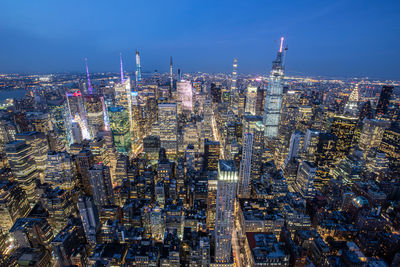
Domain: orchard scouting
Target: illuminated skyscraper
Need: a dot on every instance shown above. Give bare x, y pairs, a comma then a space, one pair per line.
121, 170
58, 202
60, 170
234, 92
100, 150
391, 146
171, 76
226, 192
120, 129
234, 76
137, 124
351, 107
94, 114
77, 114
343, 127
123, 95
211, 155
305, 180
212, 188
377, 165
13, 204
23, 167
138, 73
251, 100
245, 166
372, 133
190, 137
273, 101
37, 142
325, 155
58, 110
168, 123
89, 85
310, 143
258, 149
184, 90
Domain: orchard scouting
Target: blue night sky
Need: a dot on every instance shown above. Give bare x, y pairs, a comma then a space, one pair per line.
333, 38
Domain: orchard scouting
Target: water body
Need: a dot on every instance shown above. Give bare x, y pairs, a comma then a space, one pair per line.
18, 94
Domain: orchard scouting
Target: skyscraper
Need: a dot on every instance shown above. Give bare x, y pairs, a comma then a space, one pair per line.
23, 167
305, 179
60, 170
100, 181
76, 116
257, 152
273, 101
123, 94
351, 107
13, 204
384, 98
211, 155
76, 133
138, 73
89, 217
343, 127
325, 154
89, 85
294, 147
38, 144
84, 161
372, 133
171, 77
234, 93
251, 100
184, 90
245, 166
157, 223
211, 200
226, 192
391, 146
94, 114
120, 129
168, 123
310, 144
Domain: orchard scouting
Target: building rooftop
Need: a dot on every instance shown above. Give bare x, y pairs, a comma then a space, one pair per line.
227, 165
265, 247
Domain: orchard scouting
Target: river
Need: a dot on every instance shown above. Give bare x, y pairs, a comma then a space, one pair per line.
18, 94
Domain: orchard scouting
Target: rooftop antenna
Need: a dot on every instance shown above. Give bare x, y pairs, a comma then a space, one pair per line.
88, 77
122, 67
284, 56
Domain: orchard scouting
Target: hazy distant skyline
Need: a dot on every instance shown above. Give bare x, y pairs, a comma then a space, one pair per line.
327, 38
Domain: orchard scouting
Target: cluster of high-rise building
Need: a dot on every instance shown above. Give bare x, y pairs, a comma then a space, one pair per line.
197, 169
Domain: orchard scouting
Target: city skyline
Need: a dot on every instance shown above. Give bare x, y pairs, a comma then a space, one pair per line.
218, 168
356, 38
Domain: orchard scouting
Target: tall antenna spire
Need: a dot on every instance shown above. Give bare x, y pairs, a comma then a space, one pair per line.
281, 47
88, 77
122, 67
